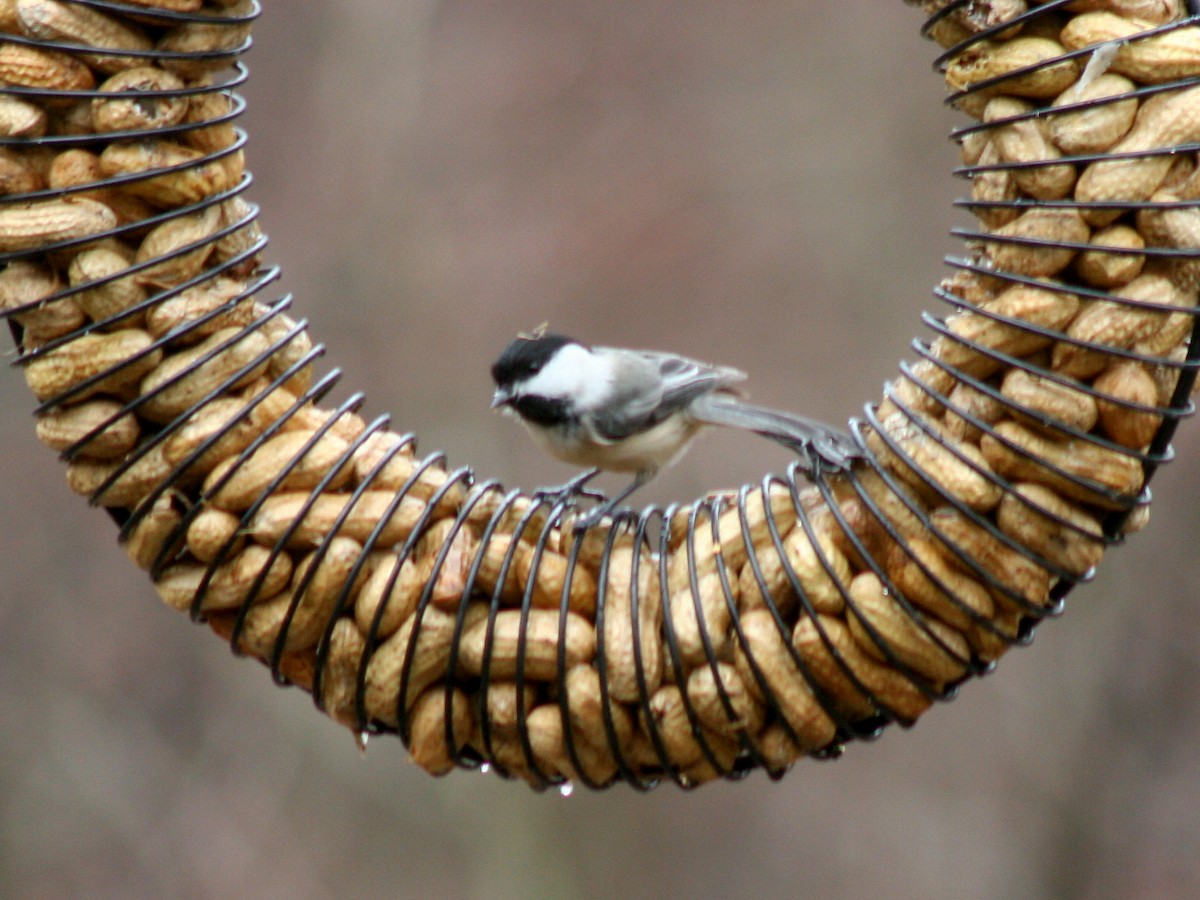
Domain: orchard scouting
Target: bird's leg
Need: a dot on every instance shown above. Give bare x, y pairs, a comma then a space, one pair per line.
568, 489
595, 515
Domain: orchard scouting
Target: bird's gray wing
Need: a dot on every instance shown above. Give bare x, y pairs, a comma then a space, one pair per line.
686, 379
655, 386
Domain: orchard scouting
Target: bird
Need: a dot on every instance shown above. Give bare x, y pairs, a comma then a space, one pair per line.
619, 410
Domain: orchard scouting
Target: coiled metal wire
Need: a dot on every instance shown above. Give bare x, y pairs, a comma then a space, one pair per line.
537, 523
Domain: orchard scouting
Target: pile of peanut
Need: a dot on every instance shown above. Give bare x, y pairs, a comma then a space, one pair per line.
745, 631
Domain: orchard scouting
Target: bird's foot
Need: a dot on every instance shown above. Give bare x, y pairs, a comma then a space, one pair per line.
608, 507
576, 487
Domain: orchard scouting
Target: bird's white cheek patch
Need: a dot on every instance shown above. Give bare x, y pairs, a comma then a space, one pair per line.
573, 372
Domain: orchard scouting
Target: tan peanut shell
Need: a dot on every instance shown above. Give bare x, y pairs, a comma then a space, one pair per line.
548, 736
183, 175
119, 483
210, 106
722, 701
1114, 324
202, 38
631, 663
416, 656
1155, 11
972, 145
765, 654
111, 295
1129, 381
1162, 122
550, 579
231, 358
390, 594
1048, 405
117, 360
214, 302
923, 644
437, 708
971, 548
1044, 308
966, 400
291, 342
1033, 238
1103, 269
926, 463
1096, 126
923, 574
27, 66
810, 566
21, 119
685, 746
302, 458
985, 60
76, 167
1172, 225
701, 620
215, 432
98, 427
17, 176
507, 706
306, 519
339, 681
457, 545
210, 532
171, 5
1156, 58
1029, 515
855, 681
243, 240
385, 458
598, 722
75, 24
156, 534
230, 583
981, 17
25, 284
24, 226
176, 250
993, 186
132, 105
539, 643
1024, 141
870, 524
502, 551
297, 618
1019, 453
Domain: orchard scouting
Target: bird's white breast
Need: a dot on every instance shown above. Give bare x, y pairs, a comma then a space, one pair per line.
649, 451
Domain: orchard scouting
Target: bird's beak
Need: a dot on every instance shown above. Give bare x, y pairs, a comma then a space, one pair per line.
501, 398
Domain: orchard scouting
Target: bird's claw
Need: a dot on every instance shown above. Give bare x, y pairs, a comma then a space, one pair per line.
567, 490
576, 487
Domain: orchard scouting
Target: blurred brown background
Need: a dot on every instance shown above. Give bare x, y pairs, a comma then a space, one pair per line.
763, 184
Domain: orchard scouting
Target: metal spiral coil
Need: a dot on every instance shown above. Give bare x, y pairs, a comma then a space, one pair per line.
1180, 406
536, 528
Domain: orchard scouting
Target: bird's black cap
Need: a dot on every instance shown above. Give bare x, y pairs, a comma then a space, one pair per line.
525, 357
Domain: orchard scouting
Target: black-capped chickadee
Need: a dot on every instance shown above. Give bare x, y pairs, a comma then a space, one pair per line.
637, 410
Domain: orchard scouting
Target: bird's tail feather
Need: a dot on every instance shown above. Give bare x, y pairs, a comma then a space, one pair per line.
816, 442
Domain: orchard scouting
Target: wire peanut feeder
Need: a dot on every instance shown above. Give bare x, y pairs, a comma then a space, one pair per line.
739, 632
